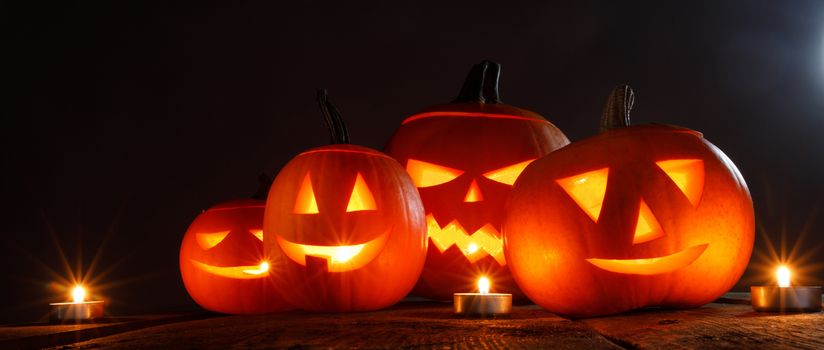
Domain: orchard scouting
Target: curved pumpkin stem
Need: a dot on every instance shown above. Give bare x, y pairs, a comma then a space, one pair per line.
334, 122
617, 109
264, 183
481, 84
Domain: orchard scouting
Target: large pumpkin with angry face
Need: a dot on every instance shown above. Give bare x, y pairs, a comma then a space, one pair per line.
464, 158
347, 224
649, 215
222, 262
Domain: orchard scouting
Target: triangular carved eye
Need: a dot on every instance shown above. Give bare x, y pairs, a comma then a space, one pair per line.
587, 190
508, 174
209, 240
257, 233
425, 174
361, 198
687, 174
305, 202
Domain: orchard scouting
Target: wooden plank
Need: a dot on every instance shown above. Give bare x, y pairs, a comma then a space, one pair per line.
415, 324
429, 325
713, 326
38, 336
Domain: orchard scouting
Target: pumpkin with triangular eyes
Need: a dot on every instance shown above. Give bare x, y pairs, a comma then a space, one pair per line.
648, 215
346, 224
464, 157
222, 262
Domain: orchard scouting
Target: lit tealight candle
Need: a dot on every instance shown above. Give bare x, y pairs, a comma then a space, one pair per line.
785, 298
483, 303
78, 309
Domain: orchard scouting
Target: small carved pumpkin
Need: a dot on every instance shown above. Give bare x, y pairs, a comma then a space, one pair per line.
347, 224
649, 215
464, 157
222, 262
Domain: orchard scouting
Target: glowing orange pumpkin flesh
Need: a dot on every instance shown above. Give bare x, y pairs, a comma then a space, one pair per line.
667, 221
464, 157
346, 225
222, 262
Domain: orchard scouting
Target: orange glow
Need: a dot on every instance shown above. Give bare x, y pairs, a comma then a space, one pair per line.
333, 150
306, 203
474, 193
361, 198
258, 234
425, 174
338, 258
651, 266
588, 190
483, 242
687, 174
78, 294
508, 174
483, 285
236, 272
209, 240
263, 267
783, 276
647, 227
470, 115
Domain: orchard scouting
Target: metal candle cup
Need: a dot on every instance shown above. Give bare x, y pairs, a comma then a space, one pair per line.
477, 304
484, 303
786, 299
74, 312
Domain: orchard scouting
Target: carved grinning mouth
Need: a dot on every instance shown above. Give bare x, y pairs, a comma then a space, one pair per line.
479, 244
338, 258
651, 266
236, 272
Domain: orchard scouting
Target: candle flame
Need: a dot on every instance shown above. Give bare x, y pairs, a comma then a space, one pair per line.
483, 285
783, 275
78, 293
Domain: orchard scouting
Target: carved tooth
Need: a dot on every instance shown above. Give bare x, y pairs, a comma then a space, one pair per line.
485, 240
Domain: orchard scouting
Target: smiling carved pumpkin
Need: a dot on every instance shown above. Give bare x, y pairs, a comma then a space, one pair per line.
649, 215
464, 157
222, 262
347, 224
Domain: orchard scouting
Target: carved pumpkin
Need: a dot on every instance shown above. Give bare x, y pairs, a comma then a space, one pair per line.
648, 215
222, 262
348, 224
464, 158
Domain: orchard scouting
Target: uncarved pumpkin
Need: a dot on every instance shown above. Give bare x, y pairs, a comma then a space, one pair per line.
636, 216
464, 157
346, 224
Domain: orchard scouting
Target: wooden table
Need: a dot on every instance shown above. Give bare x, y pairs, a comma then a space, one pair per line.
728, 323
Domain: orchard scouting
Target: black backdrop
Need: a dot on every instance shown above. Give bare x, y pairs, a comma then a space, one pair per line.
123, 121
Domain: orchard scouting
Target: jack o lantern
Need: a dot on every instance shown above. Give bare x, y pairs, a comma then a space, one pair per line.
464, 157
347, 224
648, 215
222, 262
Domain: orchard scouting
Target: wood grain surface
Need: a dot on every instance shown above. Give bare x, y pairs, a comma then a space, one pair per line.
417, 324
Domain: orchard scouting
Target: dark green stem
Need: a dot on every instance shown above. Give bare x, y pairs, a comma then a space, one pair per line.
334, 122
616, 111
481, 84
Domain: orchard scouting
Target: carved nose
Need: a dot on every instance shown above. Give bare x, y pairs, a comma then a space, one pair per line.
647, 227
474, 193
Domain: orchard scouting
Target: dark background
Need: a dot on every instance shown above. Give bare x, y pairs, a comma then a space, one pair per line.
123, 121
